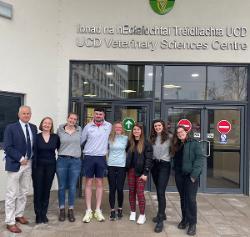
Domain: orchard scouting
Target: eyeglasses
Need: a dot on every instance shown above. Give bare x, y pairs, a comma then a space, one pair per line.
181, 132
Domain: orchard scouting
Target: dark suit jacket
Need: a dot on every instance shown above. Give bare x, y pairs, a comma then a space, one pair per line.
15, 145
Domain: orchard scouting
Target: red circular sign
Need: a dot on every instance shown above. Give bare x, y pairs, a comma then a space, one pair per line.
224, 126
185, 123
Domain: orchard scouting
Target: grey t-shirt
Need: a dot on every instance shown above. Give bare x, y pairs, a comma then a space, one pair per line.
70, 145
161, 150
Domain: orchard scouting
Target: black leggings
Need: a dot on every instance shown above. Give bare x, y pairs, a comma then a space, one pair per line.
160, 174
116, 179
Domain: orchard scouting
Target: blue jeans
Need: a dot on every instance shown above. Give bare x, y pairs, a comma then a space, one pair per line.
67, 170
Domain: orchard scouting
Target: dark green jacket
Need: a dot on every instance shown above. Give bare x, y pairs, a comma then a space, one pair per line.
192, 161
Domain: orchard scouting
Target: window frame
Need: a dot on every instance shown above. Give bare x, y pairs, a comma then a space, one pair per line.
13, 95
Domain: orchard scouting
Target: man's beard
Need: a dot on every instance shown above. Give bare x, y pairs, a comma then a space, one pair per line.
98, 120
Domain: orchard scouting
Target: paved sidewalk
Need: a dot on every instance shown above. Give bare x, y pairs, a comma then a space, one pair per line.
218, 216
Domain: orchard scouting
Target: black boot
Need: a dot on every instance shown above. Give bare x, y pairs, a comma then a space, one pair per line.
156, 218
182, 225
119, 213
191, 229
159, 227
71, 216
62, 215
45, 219
38, 220
112, 215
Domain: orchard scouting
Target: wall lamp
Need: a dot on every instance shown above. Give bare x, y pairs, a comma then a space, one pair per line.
6, 10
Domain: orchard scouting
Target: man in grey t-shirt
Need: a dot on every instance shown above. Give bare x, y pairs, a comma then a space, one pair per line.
95, 136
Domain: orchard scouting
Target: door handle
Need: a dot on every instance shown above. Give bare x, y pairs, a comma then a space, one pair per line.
209, 147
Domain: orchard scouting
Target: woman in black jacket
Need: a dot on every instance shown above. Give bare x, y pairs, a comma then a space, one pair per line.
188, 161
139, 162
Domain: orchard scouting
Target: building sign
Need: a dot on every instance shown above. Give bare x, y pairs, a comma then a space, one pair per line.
128, 124
197, 135
224, 126
162, 7
163, 37
223, 138
185, 123
210, 135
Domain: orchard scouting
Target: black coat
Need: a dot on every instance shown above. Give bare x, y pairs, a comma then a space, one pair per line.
144, 160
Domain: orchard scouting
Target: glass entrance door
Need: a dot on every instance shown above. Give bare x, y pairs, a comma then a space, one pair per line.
219, 130
138, 112
224, 133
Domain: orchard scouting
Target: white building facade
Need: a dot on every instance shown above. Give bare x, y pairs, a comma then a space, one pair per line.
54, 56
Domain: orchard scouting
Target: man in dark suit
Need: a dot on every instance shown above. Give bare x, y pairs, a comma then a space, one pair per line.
19, 139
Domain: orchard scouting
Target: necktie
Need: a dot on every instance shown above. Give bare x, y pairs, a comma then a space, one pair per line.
28, 142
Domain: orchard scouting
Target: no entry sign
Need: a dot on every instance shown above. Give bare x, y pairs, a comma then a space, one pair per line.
224, 127
185, 123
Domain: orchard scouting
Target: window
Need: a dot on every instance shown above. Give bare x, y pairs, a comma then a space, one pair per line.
117, 81
227, 83
184, 82
9, 105
159, 82
221, 83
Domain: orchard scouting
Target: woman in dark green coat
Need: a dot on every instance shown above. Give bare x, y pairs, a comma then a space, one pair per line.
188, 162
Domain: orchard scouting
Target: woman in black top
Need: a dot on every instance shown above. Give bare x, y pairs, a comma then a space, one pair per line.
44, 168
139, 163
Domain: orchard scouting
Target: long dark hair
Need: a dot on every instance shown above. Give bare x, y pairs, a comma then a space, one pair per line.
140, 145
153, 133
176, 142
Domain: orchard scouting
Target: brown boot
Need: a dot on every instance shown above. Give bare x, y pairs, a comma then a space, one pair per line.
62, 215
71, 216
22, 220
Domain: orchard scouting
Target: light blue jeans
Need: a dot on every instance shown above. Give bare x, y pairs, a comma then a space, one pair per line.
68, 171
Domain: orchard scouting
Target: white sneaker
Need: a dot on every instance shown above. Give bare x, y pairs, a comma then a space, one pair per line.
88, 216
132, 216
141, 220
99, 216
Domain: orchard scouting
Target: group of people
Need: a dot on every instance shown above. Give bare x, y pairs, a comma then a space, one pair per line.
105, 147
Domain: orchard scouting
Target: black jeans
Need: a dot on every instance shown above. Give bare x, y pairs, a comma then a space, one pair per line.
42, 176
160, 173
188, 192
116, 179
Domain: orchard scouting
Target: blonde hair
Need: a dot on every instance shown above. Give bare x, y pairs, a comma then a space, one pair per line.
140, 145
112, 134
